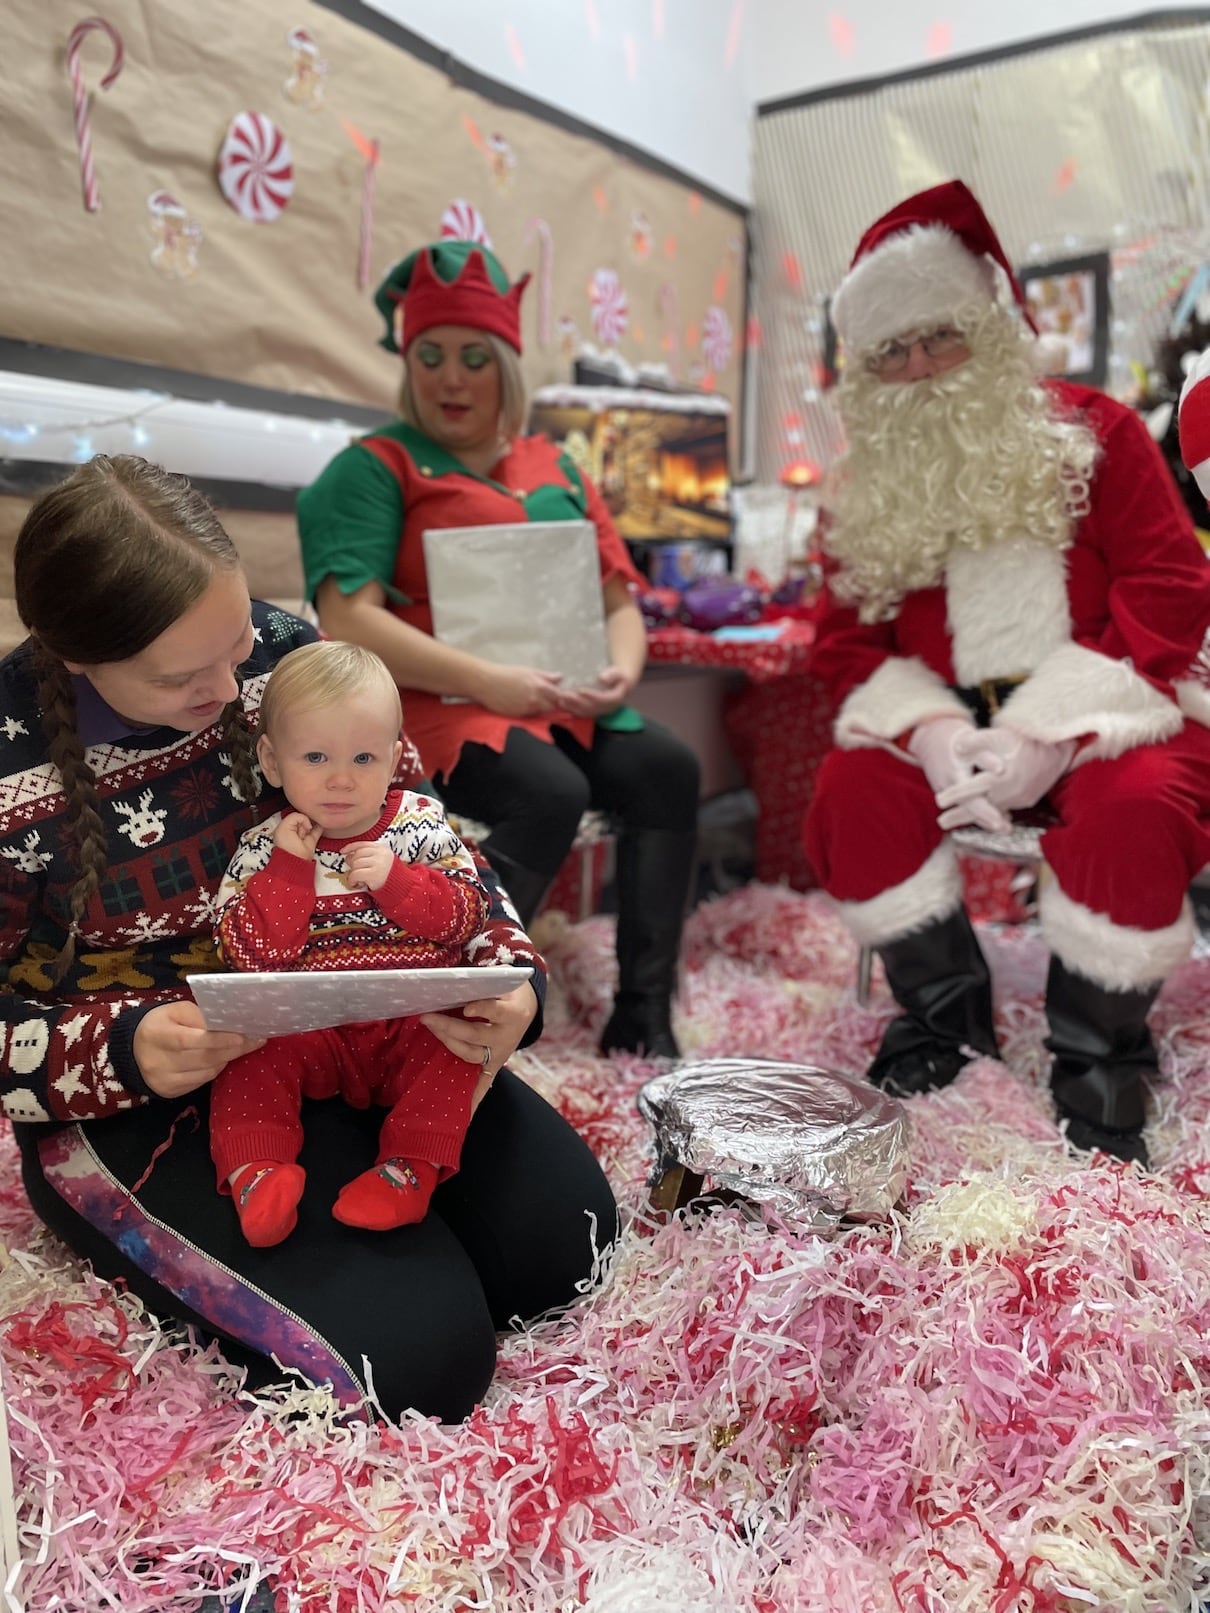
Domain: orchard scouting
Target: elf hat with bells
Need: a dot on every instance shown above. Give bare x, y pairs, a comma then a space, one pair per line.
930, 261
449, 283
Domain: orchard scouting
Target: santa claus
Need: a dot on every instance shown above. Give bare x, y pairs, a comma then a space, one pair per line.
1016, 618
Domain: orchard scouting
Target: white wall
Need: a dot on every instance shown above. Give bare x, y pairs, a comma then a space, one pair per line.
667, 76
792, 46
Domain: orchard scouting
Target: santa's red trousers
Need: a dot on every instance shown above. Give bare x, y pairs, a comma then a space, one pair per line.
397, 1063
1131, 834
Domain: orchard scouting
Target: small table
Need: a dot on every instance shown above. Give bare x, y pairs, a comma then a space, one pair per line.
778, 722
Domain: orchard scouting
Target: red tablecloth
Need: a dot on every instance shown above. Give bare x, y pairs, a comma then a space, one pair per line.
779, 725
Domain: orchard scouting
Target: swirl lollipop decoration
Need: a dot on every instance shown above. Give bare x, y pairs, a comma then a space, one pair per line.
610, 311
256, 168
461, 221
716, 339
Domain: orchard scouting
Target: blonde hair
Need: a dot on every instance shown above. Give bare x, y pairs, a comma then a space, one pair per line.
104, 563
323, 674
514, 400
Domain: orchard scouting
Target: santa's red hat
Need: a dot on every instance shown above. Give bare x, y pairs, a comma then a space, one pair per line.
929, 261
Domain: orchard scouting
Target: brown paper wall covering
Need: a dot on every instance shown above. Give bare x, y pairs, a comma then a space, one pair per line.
167, 272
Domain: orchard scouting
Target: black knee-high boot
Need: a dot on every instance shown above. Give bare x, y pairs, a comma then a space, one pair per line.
1103, 1051
940, 978
653, 872
525, 887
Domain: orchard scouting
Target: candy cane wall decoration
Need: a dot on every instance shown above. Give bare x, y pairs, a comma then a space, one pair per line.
371, 151
546, 257
81, 98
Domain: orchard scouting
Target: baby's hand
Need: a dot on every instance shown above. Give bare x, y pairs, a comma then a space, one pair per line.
369, 863
297, 834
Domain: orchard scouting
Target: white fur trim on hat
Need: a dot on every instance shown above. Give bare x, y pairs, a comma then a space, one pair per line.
933, 892
1077, 692
912, 281
1117, 957
900, 694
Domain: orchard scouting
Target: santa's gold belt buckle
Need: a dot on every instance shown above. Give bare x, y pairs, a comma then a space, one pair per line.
994, 691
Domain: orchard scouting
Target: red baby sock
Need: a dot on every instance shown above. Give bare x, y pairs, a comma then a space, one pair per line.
266, 1194
394, 1194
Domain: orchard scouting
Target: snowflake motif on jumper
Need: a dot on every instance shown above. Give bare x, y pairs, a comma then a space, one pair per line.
282, 628
196, 795
29, 859
144, 824
204, 910
12, 726
146, 927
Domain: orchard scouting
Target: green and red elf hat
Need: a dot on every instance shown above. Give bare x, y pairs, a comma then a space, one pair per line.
450, 283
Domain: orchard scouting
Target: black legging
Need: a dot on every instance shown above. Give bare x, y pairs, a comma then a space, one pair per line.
508, 1236
533, 794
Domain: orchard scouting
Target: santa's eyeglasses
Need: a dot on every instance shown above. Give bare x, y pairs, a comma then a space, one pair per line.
892, 357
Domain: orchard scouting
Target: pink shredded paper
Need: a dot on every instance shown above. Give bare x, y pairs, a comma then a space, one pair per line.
997, 1402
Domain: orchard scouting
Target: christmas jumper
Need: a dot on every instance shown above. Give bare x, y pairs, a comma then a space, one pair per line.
1104, 642
125, 1178
280, 911
363, 520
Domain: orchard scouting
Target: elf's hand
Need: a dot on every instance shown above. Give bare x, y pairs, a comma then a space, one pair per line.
1193, 422
297, 835
368, 863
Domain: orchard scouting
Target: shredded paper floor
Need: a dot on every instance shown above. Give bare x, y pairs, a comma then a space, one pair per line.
997, 1403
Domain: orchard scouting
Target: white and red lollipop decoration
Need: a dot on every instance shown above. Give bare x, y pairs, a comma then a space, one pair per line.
610, 311
256, 168
462, 221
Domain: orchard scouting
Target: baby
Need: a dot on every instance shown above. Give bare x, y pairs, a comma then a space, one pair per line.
353, 875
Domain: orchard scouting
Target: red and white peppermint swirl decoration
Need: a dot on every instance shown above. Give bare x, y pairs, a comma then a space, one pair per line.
546, 262
716, 339
256, 168
81, 98
610, 313
463, 222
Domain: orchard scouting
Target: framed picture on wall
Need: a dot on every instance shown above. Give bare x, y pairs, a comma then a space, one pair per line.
1069, 301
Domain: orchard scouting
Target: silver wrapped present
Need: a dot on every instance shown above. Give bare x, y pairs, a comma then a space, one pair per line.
814, 1144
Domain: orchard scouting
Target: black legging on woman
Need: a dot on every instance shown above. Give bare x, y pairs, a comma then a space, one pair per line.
511, 1235
533, 795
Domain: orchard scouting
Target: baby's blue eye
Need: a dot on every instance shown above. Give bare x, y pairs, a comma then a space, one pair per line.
364, 756
314, 756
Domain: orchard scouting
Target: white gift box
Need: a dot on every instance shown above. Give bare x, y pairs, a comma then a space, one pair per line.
527, 594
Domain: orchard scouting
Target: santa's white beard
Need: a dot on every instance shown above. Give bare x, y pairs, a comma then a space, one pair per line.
968, 458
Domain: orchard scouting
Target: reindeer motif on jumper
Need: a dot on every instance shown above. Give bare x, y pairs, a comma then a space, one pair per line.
29, 859
144, 823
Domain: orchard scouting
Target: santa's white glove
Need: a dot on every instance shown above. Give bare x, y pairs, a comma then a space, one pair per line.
1193, 422
1012, 770
935, 745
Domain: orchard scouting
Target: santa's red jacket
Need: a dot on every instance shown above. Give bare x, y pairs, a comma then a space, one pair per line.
1108, 636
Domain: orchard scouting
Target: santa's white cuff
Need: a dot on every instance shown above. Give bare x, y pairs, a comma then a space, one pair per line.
1077, 692
1114, 956
933, 892
900, 695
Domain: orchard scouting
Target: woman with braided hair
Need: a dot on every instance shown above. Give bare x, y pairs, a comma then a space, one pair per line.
128, 777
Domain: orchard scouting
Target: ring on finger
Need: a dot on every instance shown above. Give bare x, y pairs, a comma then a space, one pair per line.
487, 1056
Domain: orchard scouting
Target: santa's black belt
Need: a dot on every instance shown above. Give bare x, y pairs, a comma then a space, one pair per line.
986, 698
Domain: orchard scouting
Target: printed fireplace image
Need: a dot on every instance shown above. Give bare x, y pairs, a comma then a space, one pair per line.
663, 470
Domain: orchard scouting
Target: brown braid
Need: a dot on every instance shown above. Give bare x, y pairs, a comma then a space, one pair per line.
104, 563
240, 745
57, 703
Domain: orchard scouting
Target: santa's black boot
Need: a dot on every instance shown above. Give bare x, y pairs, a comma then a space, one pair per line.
653, 873
1103, 1054
940, 978
525, 887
